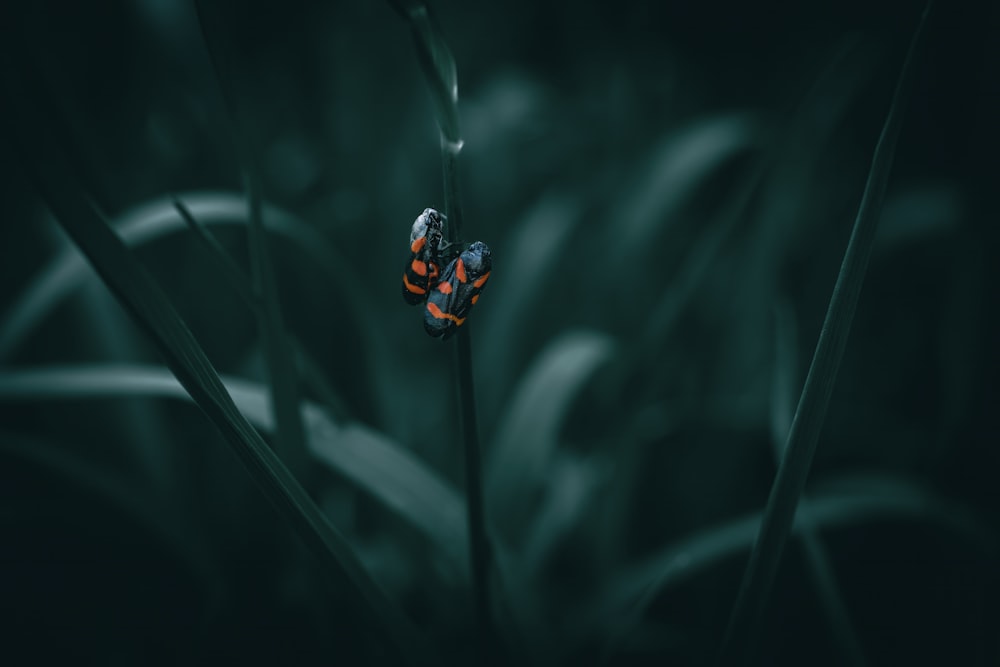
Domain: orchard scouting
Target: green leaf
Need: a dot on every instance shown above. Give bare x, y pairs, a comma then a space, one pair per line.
851, 501
148, 305
536, 241
529, 431
390, 473
154, 220
678, 166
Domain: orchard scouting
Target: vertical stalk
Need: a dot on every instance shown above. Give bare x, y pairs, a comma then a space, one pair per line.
776, 524
479, 547
438, 65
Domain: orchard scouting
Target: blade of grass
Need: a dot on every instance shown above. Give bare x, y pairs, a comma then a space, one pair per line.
390, 473
152, 221
308, 368
225, 264
742, 630
536, 240
850, 501
290, 435
151, 309
814, 552
528, 436
438, 66
677, 167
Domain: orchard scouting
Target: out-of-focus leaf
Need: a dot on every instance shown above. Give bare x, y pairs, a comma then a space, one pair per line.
785, 381
387, 471
151, 221
570, 489
145, 301
850, 501
528, 438
535, 241
919, 214
679, 165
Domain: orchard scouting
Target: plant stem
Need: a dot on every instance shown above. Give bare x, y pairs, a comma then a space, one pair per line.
776, 524
479, 546
439, 69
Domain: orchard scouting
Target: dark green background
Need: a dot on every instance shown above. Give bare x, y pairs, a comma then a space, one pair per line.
603, 145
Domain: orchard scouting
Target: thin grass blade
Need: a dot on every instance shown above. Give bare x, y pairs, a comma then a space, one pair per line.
817, 559
737, 645
155, 220
442, 79
437, 63
390, 473
850, 501
149, 306
528, 436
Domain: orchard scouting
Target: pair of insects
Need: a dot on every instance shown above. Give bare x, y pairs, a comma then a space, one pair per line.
449, 294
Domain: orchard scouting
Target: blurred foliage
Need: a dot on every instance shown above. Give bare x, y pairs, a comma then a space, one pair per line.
667, 189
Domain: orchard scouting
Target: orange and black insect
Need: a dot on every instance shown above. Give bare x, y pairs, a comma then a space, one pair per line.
462, 281
424, 268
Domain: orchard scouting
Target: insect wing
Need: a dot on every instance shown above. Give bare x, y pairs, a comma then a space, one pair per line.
463, 280
423, 268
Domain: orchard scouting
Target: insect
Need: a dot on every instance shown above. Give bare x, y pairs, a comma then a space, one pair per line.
424, 268
458, 290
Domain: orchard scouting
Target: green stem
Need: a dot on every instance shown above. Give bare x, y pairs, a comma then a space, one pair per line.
779, 513
479, 546
817, 560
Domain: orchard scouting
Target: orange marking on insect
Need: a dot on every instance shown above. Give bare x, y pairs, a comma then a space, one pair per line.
419, 268
475, 298
410, 287
460, 271
444, 288
439, 314
481, 280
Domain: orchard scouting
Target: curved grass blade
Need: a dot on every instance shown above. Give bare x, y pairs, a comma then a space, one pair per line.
534, 241
738, 642
528, 437
685, 160
307, 367
391, 474
145, 301
851, 501
572, 486
154, 220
